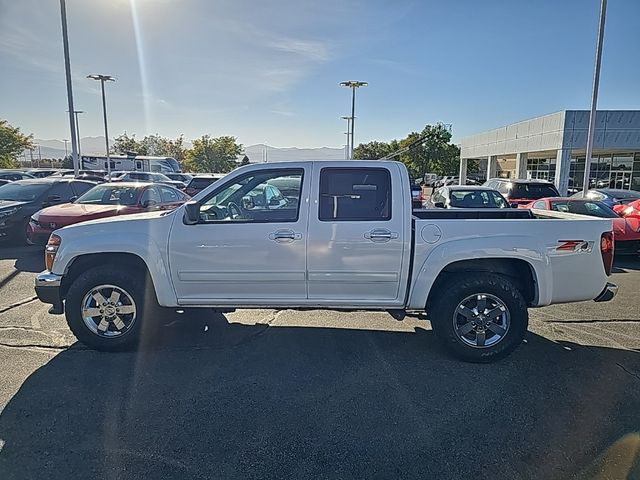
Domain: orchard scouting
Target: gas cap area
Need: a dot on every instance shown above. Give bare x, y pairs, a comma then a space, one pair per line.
431, 233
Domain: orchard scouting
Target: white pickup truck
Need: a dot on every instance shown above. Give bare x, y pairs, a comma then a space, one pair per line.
327, 235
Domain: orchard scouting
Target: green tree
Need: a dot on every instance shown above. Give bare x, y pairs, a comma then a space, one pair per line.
12, 143
124, 144
373, 150
176, 149
433, 152
213, 154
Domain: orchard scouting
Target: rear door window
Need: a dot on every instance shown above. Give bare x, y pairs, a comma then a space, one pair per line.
354, 194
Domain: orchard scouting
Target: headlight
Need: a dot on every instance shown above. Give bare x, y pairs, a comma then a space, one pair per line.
8, 211
51, 250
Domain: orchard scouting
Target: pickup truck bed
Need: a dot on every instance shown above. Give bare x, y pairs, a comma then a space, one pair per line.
333, 235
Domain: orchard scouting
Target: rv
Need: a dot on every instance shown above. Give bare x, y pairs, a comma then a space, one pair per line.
129, 163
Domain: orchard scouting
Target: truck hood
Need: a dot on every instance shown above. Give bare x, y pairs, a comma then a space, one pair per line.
114, 223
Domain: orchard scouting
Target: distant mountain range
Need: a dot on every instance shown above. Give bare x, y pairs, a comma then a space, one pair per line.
256, 153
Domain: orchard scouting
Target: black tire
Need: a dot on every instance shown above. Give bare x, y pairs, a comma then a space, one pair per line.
458, 287
135, 283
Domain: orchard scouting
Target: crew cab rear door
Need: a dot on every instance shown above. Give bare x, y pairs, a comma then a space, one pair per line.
357, 236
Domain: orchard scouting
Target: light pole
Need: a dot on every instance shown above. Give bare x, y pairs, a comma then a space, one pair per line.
347, 133
353, 85
75, 113
102, 79
594, 100
67, 69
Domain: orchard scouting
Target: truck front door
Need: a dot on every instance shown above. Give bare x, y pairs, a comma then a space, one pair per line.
356, 241
245, 249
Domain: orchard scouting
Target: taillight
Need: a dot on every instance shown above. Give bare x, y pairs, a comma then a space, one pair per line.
51, 250
607, 250
421, 196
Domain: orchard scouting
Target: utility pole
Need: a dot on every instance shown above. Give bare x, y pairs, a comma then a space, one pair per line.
353, 85
66, 152
67, 69
102, 79
594, 99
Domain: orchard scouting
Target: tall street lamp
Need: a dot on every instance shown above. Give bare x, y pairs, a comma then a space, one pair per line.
76, 113
594, 99
353, 85
347, 133
67, 69
102, 79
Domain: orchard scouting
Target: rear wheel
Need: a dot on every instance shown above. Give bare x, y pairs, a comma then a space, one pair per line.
105, 307
479, 317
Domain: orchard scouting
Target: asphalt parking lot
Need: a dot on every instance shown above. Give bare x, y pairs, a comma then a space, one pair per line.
265, 394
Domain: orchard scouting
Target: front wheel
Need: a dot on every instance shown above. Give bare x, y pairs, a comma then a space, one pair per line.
105, 307
479, 317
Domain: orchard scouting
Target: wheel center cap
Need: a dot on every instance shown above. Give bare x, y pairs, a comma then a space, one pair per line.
110, 310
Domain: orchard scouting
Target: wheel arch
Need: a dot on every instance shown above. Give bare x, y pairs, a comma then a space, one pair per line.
517, 270
127, 260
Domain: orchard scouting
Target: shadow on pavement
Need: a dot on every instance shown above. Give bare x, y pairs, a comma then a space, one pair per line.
27, 259
253, 401
624, 263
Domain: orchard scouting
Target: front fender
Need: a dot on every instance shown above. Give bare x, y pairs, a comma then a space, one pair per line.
437, 258
149, 249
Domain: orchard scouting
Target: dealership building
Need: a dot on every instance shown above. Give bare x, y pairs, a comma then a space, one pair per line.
552, 147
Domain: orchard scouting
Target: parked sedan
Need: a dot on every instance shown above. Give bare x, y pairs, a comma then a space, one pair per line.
106, 200
631, 209
153, 177
610, 196
200, 182
14, 175
520, 191
466, 196
626, 231
180, 177
41, 172
21, 199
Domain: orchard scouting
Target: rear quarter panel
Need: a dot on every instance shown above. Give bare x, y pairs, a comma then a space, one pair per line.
560, 276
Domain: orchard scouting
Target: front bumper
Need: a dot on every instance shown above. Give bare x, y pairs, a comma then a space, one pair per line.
609, 292
48, 290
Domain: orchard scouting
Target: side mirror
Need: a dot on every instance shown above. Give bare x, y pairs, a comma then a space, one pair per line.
513, 205
149, 203
192, 212
439, 205
52, 200
274, 202
73, 199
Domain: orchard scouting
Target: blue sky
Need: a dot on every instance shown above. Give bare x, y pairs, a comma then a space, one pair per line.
269, 71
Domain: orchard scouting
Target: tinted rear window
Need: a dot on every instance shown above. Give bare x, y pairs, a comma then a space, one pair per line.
533, 191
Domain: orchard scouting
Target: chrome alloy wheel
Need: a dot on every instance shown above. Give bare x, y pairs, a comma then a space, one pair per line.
108, 311
481, 320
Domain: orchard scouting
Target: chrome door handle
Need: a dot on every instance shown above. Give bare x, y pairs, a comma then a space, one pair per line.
285, 236
380, 235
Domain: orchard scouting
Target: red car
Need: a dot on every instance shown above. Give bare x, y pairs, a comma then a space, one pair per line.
628, 210
106, 200
626, 231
